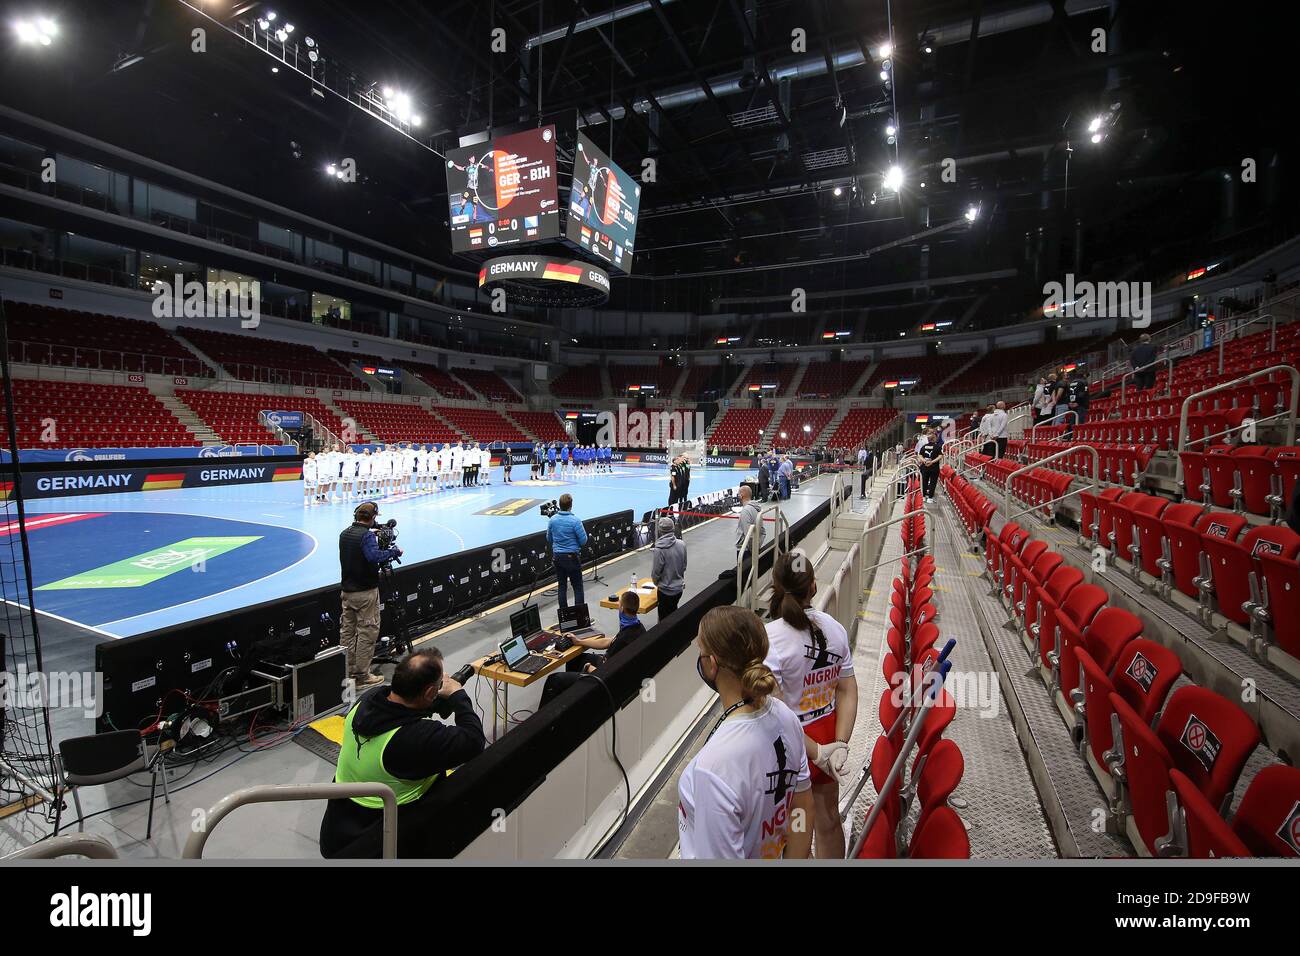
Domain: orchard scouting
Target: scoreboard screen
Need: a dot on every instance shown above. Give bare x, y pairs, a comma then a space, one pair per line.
503, 193
603, 206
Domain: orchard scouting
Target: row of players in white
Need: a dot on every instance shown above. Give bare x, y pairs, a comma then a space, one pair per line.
340, 475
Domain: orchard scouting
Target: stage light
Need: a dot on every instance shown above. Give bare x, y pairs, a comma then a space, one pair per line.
313, 55
275, 69
388, 92
886, 50
271, 16
837, 191
884, 75
264, 24
288, 28
281, 35
922, 185
308, 42
40, 31
330, 169
1095, 124
894, 179
972, 213
1097, 137
928, 48
891, 129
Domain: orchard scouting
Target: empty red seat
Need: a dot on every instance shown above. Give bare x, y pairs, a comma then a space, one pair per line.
1207, 737
940, 836
1072, 619
1281, 575
1048, 599
1150, 539
1143, 674
1233, 562
1185, 544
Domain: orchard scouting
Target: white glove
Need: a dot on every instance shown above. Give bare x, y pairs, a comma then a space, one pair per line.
833, 760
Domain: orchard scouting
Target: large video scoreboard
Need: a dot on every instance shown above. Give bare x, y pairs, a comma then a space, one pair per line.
603, 206
503, 193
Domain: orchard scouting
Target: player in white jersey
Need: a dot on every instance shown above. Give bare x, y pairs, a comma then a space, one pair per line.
737, 797
406, 469
808, 651
485, 465
365, 470
349, 476
420, 478
310, 476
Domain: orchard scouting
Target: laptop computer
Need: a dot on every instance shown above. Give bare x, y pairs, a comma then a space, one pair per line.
526, 623
575, 621
517, 657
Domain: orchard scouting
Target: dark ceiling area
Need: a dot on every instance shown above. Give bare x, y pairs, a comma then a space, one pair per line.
768, 122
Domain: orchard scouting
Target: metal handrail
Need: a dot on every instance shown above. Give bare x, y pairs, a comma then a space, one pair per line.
1235, 332
1223, 387
278, 431
1073, 449
267, 793
1033, 432
900, 761
1169, 379
69, 844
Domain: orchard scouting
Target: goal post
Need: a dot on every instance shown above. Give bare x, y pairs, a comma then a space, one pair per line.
693, 450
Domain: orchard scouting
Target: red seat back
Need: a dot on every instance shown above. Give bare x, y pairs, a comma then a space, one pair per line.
1208, 737
1146, 770
1208, 835
940, 836
1109, 633
1143, 675
1268, 818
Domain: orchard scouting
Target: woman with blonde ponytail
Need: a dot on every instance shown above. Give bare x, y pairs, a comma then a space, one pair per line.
746, 794
809, 655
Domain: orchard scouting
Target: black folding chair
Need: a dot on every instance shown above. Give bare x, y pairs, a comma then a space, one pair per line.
103, 758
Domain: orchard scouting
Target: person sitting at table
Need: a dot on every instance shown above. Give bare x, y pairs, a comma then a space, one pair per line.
629, 628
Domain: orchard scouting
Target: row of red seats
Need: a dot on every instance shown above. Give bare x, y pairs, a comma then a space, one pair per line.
1111, 682
1260, 479
1118, 464
909, 667
1249, 574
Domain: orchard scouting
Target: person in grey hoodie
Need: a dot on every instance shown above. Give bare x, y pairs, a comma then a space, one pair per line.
749, 517
668, 567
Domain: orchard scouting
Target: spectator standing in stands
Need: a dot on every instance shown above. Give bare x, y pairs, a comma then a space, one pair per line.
388, 737
988, 431
864, 466
629, 628
1143, 358
668, 566
567, 537
1077, 397
999, 429
1045, 399
738, 795
931, 456
1061, 406
808, 652
750, 517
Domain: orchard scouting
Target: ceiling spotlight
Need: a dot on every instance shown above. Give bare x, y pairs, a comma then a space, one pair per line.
263, 24
309, 42
313, 55
891, 140
972, 213
281, 35
928, 48
884, 74
873, 199
922, 185
837, 191
330, 169
288, 28
1095, 124
339, 174
894, 179
1096, 137
41, 31
388, 92
891, 129
275, 69
886, 50
417, 120
271, 16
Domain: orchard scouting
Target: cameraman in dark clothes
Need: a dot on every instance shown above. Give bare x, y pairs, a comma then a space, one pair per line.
359, 559
390, 737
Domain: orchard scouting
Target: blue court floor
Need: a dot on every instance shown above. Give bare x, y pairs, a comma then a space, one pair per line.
130, 563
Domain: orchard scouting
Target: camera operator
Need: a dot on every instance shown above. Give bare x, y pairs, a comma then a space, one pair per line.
359, 560
566, 536
388, 737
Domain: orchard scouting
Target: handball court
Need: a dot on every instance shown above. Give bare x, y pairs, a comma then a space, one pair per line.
125, 564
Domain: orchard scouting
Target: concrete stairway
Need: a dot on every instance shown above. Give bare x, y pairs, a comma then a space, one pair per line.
195, 425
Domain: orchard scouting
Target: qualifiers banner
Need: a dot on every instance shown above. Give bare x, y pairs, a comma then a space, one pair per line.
107, 481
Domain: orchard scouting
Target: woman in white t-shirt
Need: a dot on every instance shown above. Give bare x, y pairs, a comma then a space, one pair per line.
809, 653
746, 794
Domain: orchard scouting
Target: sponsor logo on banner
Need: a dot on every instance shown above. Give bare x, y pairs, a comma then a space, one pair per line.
510, 507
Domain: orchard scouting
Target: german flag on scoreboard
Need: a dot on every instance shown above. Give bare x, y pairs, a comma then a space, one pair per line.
482, 275
288, 473
562, 272
160, 481
6, 489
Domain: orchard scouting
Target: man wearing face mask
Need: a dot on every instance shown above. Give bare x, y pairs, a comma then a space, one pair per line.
629, 628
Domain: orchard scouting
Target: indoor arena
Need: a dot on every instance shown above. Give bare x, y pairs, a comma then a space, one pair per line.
671, 432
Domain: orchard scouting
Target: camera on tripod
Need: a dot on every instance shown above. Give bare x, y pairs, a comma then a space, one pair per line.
549, 509
386, 535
